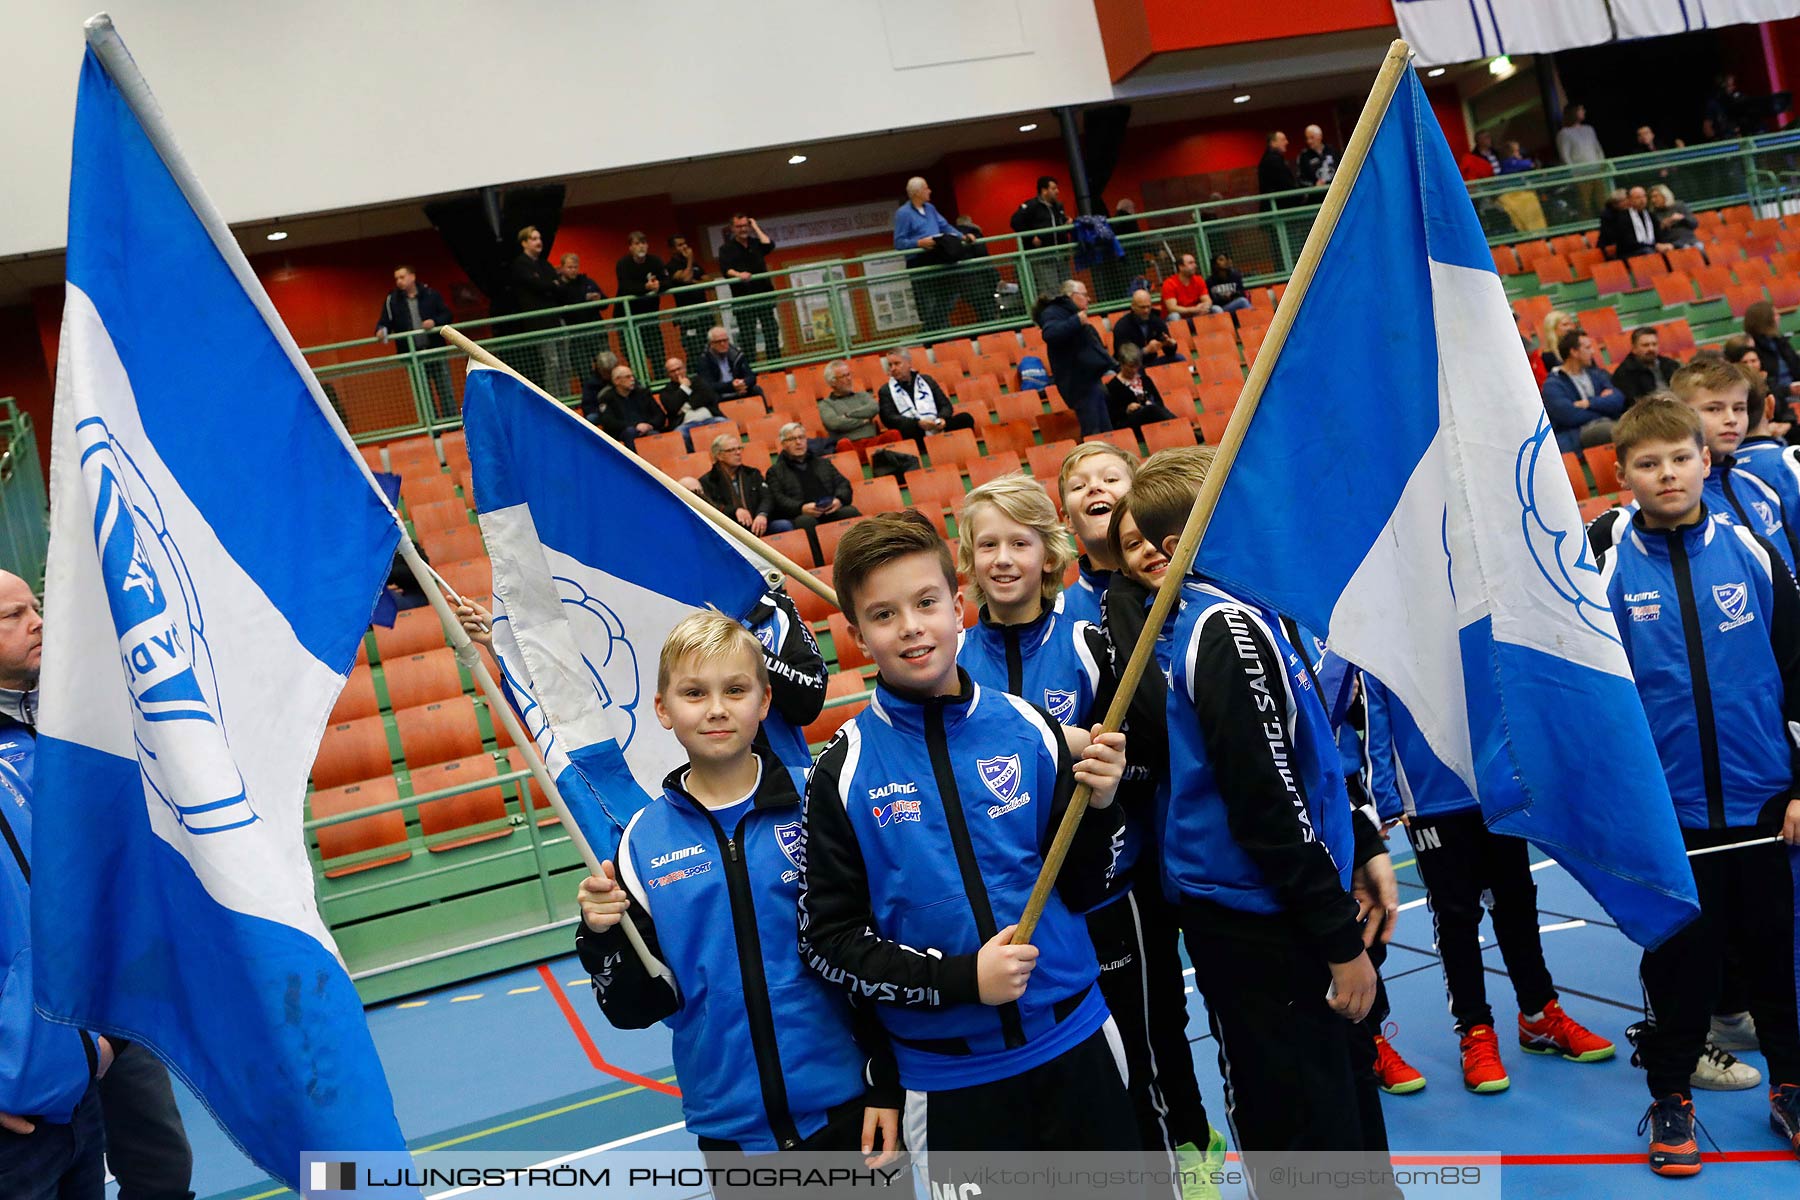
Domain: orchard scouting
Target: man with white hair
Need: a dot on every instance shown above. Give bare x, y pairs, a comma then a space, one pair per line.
725, 369
806, 488
1318, 162
933, 241
849, 413
146, 1145
913, 403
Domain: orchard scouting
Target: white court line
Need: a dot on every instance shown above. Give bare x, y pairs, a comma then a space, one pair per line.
569, 1158
1577, 923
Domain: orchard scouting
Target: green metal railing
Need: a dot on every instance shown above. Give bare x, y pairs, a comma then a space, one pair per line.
872, 303
24, 505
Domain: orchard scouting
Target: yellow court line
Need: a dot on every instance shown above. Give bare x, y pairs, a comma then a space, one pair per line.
1405, 863
481, 1133
460, 999
522, 991
412, 1004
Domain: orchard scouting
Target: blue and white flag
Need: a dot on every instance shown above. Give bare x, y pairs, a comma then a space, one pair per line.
1657, 18
215, 552
1400, 487
1453, 31
594, 562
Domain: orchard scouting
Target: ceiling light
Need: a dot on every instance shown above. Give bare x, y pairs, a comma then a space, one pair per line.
1028, 128
1435, 72
280, 235
1240, 99
795, 160
1500, 67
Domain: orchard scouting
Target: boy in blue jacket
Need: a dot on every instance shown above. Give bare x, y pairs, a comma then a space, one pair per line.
927, 819
1719, 393
766, 1053
1710, 620
51, 1135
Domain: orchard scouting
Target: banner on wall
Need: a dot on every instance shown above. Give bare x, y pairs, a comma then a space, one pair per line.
1454, 31
820, 225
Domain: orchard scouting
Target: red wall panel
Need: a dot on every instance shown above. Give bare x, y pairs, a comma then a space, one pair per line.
1133, 31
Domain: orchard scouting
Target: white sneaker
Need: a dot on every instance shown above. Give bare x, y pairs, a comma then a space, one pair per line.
1736, 1034
1718, 1071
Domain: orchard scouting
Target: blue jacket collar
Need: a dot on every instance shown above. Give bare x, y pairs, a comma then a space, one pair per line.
774, 786
1694, 537
908, 714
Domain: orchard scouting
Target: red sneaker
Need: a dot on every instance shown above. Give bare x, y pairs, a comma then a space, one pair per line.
1397, 1076
1558, 1033
1482, 1069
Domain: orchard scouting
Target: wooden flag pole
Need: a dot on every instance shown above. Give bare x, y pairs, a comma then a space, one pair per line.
1374, 109
729, 527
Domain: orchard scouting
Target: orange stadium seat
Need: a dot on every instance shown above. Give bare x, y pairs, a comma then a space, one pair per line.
1741, 296
1124, 439
360, 836
1019, 406
1017, 436
453, 545
438, 732
352, 750
795, 544
1611, 278
849, 657
811, 606
1603, 461
1577, 477
1168, 435
842, 684
515, 761
1212, 427
421, 678
464, 811
1674, 289
953, 446
358, 697
1059, 425
413, 630
992, 466
1046, 461
437, 515
876, 495
941, 485
830, 534
469, 576
427, 487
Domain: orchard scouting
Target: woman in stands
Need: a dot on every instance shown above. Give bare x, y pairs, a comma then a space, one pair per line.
1225, 284
1674, 223
1556, 323
1132, 398
1779, 361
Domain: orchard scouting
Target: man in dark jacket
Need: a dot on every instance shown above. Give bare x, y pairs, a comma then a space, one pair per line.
912, 403
625, 410
642, 277
807, 489
1274, 175
1042, 219
580, 288
1144, 328
738, 491
1646, 370
1318, 162
1078, 358
743, 256
1579, 396
412, 305
725, 369
532, 284
684, 270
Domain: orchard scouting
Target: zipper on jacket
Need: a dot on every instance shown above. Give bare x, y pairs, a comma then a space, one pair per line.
756, 988
1704, 724
1015, 661
12, 841
937, 743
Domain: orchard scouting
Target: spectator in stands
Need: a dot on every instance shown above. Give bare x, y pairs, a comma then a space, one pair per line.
912, 403
533, 285
725, 369
849, 415
1132, 398
687, 403
1779, 361
683, 268
744, 256
1273, 173
626, 410
1042, 220
1675, 225
1576, 141
1318, 162
1514, 160
739, 491
1225, 284
642, 276
932, 242
1078, 359
1556, 324
1644, 370
1144, 329
1579, 397
413, 305
599, 378
578, 288
1626, 228
808, 489
1724, 109
1124, 220
1480, 162
1740, 351
1185, 294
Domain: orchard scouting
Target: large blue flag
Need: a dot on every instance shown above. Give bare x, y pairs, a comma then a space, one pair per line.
1400, 487
594, 562
216, 550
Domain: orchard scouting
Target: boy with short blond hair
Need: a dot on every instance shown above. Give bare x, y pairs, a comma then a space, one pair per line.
1093, 478
768, 1056
927, 818
1719, 393
1710, 621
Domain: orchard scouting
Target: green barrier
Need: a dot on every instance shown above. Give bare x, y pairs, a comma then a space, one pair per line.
24, 505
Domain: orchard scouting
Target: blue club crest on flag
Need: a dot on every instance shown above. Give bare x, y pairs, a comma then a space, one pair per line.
1061, 705
1002, 776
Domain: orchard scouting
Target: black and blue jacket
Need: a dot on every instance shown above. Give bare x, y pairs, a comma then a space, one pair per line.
1254, 822
1081, 599
797, 676
18, 731
764, 1049
1710, 621
926, 826
1777, 464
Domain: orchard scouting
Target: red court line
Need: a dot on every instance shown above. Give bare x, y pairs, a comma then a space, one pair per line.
1613, 1160
593, 1051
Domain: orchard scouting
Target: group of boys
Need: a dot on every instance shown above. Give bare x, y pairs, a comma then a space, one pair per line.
833, 943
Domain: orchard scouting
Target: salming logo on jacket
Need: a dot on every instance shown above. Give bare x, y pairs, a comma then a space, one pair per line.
1254, 819
1055, 663
797, 676
1777, 464
1710, 620
926, 825
763, 1048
